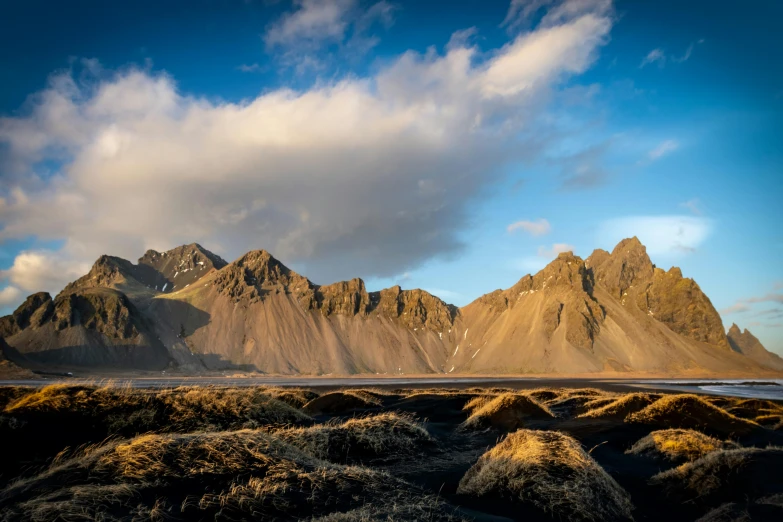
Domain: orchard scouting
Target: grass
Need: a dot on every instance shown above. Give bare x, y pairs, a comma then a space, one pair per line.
618, 408
208, 476
748, 473
691, 412
508, 411
676, 445
385, 435
552, 472
342, 402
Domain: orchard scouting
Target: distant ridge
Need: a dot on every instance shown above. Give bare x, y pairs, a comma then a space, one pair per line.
188, 309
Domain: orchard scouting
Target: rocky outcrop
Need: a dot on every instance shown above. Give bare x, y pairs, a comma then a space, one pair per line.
177, 268
679, 303
747, 344
35, 309
628, 264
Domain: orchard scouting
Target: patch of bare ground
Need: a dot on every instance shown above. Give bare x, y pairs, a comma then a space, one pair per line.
733, 475
678, 446
691, 412
508, 411
387, 435
550, 471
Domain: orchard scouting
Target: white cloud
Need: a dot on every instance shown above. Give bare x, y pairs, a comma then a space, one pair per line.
539, 227
43, 270
662, 235
312, 21
664, 148
363, 176
654, 56
554, 250
9, 296
521, 12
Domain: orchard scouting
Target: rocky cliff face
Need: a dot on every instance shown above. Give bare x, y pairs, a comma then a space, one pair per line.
611, 312
747, 344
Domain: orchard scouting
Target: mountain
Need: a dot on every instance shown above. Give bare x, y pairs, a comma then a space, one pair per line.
187, 309
747, 344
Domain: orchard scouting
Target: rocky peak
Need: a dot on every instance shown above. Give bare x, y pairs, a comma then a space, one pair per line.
35, 309
627, 265
597, 258
177, 268
257, 273
747, 344
107, 271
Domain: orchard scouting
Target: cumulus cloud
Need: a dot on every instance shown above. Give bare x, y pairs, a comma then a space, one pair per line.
43, 270
9, 296
669, 236
362, 176
539, 227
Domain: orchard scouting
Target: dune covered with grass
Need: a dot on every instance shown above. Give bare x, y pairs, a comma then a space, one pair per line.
100, 451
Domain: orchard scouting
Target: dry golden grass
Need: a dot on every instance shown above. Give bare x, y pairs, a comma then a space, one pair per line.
296, 397
122, 410
508, 411
725, 475
341, 402
477, 402
9, 394
752, 408
552, 472
678, 445
618, 408
543, 394
239, 475
383, 435
690, 411
729, 512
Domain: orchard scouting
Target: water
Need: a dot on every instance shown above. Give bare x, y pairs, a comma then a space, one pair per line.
749, 388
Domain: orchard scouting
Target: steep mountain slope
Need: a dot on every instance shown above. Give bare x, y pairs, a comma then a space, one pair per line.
747, 344
189, 309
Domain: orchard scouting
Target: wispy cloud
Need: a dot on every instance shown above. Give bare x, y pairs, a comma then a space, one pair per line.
694, 205
745, 305
669, 236
654, 56
253, 67
663, 149
658, 56
539, 227
552, 252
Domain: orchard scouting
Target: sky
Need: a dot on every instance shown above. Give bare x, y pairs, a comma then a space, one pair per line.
451, 146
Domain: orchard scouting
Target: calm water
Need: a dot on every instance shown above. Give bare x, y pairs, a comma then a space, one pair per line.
750, 388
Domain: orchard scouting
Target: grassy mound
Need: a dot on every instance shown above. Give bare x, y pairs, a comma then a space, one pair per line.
543, 394
692, 412
735, 512
296, 397
508, 411
477, 402
9, 394
724, 476
238, 475
752, 408
619, 408
341, 402
679, 445
550, 471
384, 435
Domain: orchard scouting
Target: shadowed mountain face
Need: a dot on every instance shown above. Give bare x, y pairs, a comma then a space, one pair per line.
188, 308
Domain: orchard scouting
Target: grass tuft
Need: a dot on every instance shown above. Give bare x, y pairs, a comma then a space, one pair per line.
678, 445
508, 411
691, 412
552, 472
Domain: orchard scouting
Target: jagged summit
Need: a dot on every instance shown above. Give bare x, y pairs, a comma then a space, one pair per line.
189, 308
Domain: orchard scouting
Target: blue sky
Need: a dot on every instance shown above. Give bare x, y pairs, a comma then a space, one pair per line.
450, 146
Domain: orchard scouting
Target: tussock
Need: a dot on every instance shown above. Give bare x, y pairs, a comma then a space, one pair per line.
727, 513
620, 407
550, 471
508, 411
752, 408
296, 397
679, 445
543, 394
692, 412
341, 402
477, 402
725, 475
208, 476
9, 394
385, 435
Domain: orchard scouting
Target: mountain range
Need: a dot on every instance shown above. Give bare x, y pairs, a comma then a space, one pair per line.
189, 310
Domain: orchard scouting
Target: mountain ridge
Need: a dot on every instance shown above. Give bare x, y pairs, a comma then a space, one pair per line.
190, 310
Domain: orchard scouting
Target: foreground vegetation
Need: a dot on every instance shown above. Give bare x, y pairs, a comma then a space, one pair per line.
210, 453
